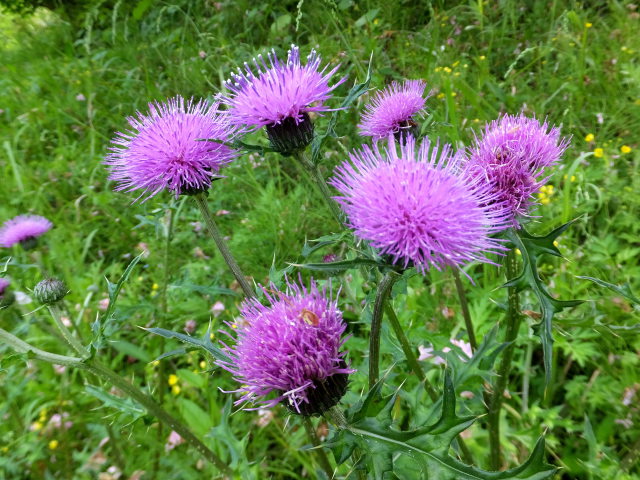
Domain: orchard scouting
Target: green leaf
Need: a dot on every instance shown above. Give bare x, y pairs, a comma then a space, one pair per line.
125, 405
203, 343
323, 241
197, 419
236, 447
624, 290
372, 430
130, 349
98, 327
335, 268
531, 247
356, 91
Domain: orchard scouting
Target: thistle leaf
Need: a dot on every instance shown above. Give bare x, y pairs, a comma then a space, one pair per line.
371, 429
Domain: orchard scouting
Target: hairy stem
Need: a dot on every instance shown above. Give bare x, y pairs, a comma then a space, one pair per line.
313, 170
464, 305
419, 372
513, 325
120, 383
201, 201
384, 289
168, 235
322, 455
68, 336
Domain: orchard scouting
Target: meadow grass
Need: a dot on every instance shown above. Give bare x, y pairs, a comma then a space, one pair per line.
65, 88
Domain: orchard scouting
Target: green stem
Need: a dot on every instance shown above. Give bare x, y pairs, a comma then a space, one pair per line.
68, 336
513, 325
313, 170
168, 234
117, 381
215, 233
464, 305
336, 417
322, 455
417, 370
408, 352
384, 289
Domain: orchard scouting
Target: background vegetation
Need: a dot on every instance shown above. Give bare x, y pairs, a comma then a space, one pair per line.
69, 78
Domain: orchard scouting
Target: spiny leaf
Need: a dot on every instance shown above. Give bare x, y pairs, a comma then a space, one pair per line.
323, 241
203, 343
334, 268
531, 247
428, 446
624, 290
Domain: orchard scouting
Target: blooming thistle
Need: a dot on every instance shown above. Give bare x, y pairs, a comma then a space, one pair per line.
416, 206
280, 96
23, 229
291, 347
178, 146
392, 110
514, 157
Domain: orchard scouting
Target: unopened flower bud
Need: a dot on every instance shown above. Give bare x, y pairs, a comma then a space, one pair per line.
50, 291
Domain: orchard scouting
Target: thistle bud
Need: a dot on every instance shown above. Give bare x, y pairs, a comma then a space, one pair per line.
50, 291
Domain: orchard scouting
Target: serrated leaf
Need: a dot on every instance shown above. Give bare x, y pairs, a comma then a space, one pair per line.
427, 446
236, 447
531, 247
203, 343
124, 405
624, 290
335, 268
323, 241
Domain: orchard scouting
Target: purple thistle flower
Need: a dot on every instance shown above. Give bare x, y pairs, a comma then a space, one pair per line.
280, 96
513, 157
279, 90
166, 150
392, 110
23, 229
417, 207
291, 347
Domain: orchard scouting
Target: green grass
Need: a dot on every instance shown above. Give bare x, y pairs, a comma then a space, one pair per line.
66, 88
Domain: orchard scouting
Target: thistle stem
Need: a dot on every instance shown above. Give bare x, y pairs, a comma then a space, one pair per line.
419, 372
322, 455
313, 170
384, 289
513, 325
73, 342
201, 201
408, 352
464, 305
117, 381
335, 416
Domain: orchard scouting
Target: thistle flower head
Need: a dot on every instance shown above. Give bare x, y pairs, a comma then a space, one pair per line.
167, 148
513, 157
290, 347
279, 90
416, 206
23, 229
392, 110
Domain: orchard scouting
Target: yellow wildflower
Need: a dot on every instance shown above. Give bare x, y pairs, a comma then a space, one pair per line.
438, 69
35, 426
176, 390
173, 380
555, 243
588, 24
482, 57
590, 137
625, 149
203, 364
440, 95
155, 286
598, 153
53, 444
518, 252
447, 69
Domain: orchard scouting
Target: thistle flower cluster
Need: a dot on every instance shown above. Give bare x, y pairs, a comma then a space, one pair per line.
416, 205
291, 347
514, 156
23, 230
